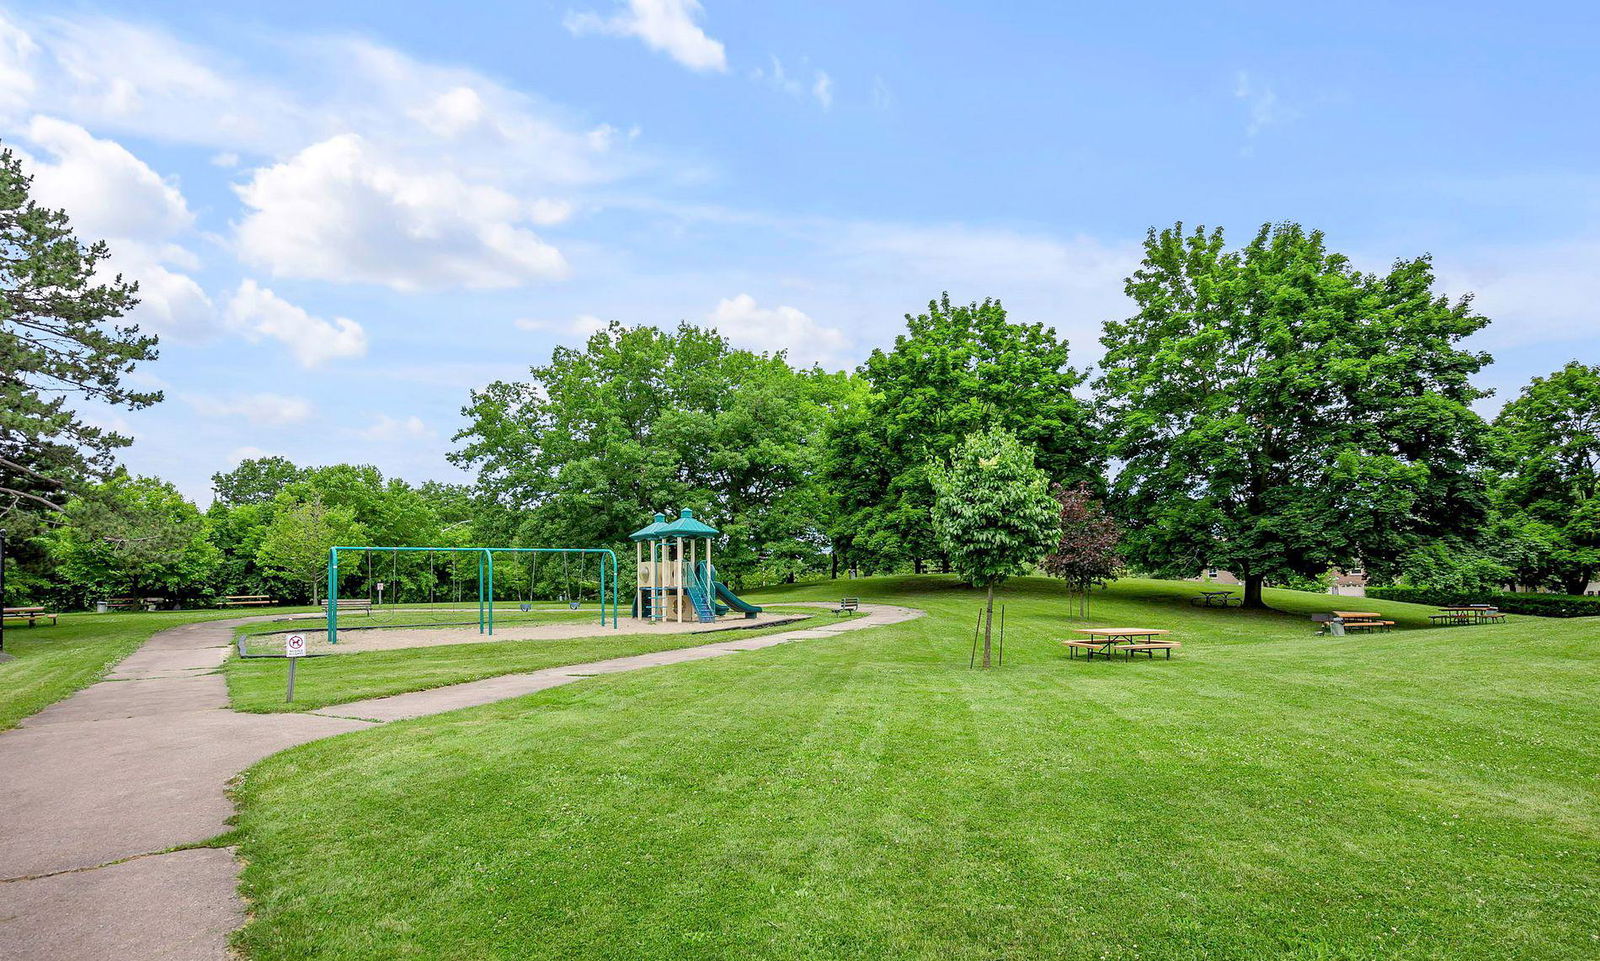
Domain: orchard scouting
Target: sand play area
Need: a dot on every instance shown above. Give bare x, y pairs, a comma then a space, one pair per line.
354, 640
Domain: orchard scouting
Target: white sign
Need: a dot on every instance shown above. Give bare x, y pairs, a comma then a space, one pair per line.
295, 645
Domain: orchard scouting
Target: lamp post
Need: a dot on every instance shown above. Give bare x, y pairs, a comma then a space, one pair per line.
3, 655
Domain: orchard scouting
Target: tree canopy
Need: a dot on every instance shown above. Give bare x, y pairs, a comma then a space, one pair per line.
59, 342
992, 512
957, 369
1278, 412
1547, 440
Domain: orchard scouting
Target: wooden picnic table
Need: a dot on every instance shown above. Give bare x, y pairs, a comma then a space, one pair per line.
31, 614
1467, 614
1357, 614
1213, 599
1103, 639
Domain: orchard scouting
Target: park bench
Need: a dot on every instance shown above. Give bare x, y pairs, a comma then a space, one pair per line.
351, 604
1104, 641
124, 603
1149, 648
1368, 626
244, 600
848, 605
31, 614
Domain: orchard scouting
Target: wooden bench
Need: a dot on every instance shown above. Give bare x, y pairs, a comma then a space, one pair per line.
31, 614
1149, 648
1091, 648
124, 603
848, 605
351, 604
1368, 626
244, 600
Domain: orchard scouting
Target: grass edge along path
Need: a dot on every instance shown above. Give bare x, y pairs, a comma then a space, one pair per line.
53, 663
257, 685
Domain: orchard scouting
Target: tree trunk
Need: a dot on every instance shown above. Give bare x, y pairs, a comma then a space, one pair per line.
988, 622
1252, 591
944, 563
916, 565
1576, 583
833, 565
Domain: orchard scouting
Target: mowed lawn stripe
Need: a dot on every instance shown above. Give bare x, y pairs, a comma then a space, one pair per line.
868, 796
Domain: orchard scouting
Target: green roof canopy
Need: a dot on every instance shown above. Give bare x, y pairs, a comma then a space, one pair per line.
684, 526
650, 531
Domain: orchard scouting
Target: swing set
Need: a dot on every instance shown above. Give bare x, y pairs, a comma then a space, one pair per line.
603, 558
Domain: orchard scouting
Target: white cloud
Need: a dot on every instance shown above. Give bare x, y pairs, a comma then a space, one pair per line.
665, 25
582, 325
882, 96
822, 89
1262, 104
262, 410
17, 51
453, 112
546, 212
746, 324
225, 159
779, 78
106, 190
336, 211
257, 312
241, 454
386, 428
112, 195
1535, 294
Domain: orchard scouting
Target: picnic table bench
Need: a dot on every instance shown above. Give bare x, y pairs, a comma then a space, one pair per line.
350, 604
1215, 599
1106, 640
1467, 614
847, 605
244, 600
31, 614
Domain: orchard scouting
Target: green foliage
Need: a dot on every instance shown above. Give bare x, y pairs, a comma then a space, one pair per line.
640, 420
1548, 442
132, 536
956, 370
1537, 605
993, 510
1278, 412
1453, 569
255, 480
296, 542
59, 339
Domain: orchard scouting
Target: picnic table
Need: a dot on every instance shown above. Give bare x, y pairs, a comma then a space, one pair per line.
1105, 640
1467, 614
30, 614
1215, 599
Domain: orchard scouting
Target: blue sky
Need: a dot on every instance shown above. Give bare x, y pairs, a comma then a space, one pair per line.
344, 216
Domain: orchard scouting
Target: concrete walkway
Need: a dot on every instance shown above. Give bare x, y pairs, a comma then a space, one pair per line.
94, 788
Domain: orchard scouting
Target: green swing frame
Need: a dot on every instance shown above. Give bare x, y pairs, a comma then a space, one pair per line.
607, 559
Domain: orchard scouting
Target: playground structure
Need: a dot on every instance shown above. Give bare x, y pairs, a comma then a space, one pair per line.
605, 559
677, 580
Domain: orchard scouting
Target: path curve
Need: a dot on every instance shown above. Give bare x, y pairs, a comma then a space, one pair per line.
94, 788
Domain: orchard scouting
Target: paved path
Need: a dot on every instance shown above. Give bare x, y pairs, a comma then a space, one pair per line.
94, 788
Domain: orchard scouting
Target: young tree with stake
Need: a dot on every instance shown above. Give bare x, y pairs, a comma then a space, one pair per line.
993, 513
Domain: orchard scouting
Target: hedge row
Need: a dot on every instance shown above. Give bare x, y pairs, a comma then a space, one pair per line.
1539, 605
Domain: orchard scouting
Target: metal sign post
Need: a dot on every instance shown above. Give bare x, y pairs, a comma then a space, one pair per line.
294, 648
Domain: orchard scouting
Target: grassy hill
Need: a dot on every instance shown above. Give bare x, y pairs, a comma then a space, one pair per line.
1427, 793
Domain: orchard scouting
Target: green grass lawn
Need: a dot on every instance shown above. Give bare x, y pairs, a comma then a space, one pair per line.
257, 685
1266, 794
53, 662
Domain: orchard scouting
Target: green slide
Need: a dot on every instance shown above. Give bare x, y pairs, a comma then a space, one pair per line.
735, 601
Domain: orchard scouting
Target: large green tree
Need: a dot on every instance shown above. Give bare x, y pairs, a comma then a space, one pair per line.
640, 420
296, 543
1548, 443
993, 513
60, 343
132, 536
255, 480
1278, 412
957, 369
